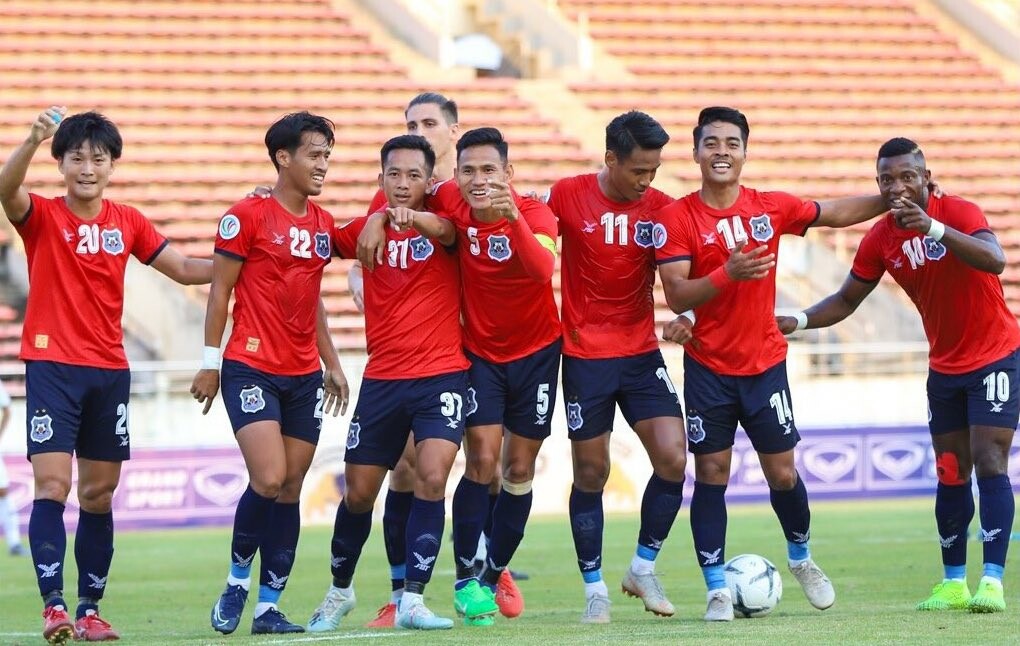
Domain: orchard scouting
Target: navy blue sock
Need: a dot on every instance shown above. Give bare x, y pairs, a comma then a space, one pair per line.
794, 515
47, 538
487, 530
997, 510
954, 509
659, 507
350, 531
396, 512
251, 519
708, 523
93, 552
587, 522
509, 520
470, 505
279, 546
424, 535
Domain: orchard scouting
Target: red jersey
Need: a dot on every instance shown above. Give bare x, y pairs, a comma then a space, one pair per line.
608, 269
412, 305
76, 271
962, 309
507, 313
277, 292
736, 332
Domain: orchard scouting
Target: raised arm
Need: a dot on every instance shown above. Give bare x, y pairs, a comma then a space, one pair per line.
830, 310
428, 224
13, 196
980, 250
848, 211
182, 269
207, 382
683, 293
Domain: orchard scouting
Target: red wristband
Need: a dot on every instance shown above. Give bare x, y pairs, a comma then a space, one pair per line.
720, 279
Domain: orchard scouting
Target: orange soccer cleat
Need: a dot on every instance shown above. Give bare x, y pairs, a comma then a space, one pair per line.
385, 618
508, 596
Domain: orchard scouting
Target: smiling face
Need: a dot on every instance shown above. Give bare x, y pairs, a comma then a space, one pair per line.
476, 165
903, 176
721, 153
86, 171
306, 168
404, 179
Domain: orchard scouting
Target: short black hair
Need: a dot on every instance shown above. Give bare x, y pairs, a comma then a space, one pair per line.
632, 130
446, 106
87, 126
286, 133
484, 137
726, 115
900, 146
410, 142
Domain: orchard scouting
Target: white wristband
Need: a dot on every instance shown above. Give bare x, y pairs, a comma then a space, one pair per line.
210, 358
936, 230
690, 314
801, 320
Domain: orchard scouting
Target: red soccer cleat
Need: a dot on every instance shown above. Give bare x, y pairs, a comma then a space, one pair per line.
93, 628
508, 596
57, 628
385, 618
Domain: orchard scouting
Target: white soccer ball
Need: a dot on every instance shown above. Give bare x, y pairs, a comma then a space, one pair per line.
754, 583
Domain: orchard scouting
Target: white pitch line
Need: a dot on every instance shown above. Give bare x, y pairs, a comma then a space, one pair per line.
335, 636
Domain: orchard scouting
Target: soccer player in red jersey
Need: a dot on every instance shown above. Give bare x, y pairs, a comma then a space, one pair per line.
611, 354
943, 254
76, 372
717, 256
416, 378
270, 253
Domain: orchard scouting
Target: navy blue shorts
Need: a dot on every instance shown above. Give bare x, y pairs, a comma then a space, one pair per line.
293, 401
761, 404
77, 409
592, 388
988, 396
388, 410
520, 395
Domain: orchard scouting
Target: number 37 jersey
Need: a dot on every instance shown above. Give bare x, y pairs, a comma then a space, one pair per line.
277, 292
736, 332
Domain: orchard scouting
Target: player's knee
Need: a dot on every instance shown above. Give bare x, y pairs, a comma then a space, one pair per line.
431, 485
267, 486
782, 479
403, 476
290, 492
989, 461
480, 466
359, 497
591, 475
517, 488
947, 469
96, 498
671, 467
518, 471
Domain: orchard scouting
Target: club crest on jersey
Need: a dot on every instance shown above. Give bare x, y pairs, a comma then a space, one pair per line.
933, 249
659, 235
574, 419
761, 227
643, 234
695, 429
230, 226
353, 435
421, 248
472, 402
322, 245
499, 248
252, 400
42, 428
113, 242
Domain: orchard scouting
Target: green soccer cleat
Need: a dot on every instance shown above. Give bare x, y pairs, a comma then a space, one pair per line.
988, 597
951, 594
476, 604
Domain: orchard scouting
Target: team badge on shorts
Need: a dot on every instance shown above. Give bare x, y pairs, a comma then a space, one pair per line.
322, 245
574, 419
643, 234
933, 249
472, 402
695, 429
761, 227
499, 248
354, 435
421, 248
252, 400
42, 428
113, 242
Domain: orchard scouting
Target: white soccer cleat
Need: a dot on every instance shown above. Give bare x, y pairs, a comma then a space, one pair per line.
596, 610
414, 615
333, 608
720, 605
817, 587
649, 590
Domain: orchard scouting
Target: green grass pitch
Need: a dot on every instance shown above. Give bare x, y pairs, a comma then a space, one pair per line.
881, 555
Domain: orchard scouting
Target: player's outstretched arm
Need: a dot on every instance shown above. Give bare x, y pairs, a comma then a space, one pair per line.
182, 269
372, 241
830, 310
428, 224
848, 211
980, 250
206, 383
683, 293
13, 196
334, 382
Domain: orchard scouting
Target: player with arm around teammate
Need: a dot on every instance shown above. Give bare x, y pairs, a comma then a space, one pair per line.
717, 257
76, 373
270, 253
943, 254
